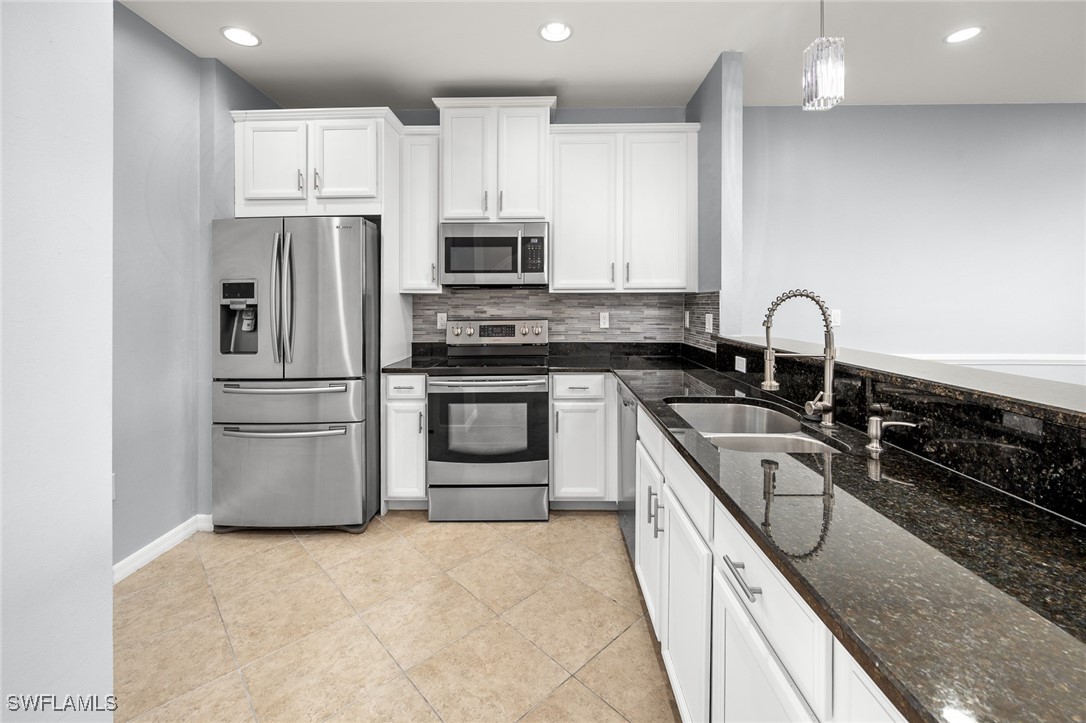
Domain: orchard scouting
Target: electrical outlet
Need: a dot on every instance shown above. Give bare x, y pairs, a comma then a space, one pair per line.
740, 364
835, 317
709, 323
442, 319
686, 319
605, 320
739, 393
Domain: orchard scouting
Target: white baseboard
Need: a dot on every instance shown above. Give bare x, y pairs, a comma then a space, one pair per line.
146, 554
407, 504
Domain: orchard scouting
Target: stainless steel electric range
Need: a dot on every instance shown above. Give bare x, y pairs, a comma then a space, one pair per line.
489, 449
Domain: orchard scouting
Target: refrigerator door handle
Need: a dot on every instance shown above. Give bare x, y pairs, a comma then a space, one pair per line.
289, 299
238, 389
276, 300
330, 432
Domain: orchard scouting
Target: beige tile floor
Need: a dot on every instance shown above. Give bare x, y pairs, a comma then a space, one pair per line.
409, 621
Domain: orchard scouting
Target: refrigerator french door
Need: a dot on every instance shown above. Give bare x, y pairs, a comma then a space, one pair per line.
294, 440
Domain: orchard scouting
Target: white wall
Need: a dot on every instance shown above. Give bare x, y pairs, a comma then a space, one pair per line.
937, 230
57, 338
174, 174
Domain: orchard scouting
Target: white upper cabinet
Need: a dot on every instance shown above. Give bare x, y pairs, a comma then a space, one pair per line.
584, 230
625, 207
309, 162
419, 211
494, 162
656, 210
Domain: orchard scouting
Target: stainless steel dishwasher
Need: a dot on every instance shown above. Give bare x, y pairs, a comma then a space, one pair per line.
627, 484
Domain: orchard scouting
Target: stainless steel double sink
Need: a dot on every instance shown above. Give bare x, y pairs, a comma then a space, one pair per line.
733, 424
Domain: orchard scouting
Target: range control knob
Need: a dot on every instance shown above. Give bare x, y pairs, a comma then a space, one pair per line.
524, 331
471, 331
537, 330
457, 330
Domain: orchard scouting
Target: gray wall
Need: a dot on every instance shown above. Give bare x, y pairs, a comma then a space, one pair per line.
706, 108
173, 174
953, 230
57, 247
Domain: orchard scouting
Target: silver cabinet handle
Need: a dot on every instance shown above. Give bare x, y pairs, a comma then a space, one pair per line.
627, 271
330, 432
501, 200
648, 504
407, 387
238, 389
656, 529
316, 180
486, 201
433, 272
277, 343
735, 567
612, 272
301, 180
420, 422
583, 389
290, 298
556, 421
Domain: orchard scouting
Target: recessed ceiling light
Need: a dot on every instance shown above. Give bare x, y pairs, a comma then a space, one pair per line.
962, 35
241, 36
555, 32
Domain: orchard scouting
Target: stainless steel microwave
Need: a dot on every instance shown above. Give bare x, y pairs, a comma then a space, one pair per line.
492, 254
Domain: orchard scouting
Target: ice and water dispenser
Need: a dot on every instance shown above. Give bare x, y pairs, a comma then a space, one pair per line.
238, 316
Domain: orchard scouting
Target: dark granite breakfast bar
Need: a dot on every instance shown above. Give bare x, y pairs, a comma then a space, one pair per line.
962, 602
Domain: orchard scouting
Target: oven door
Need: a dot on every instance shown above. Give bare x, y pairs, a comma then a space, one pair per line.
488, 431
480, 254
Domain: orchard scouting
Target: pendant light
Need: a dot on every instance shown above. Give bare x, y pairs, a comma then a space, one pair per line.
823, 68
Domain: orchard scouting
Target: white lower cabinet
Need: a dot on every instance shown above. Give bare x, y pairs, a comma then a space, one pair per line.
687, 592
404, 430
749, 683
648, 544
855, 696
580, 451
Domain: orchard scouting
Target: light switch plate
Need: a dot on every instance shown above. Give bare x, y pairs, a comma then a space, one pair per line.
709, 323
740, 363
835, 317
605, 320
442, 319
686, 319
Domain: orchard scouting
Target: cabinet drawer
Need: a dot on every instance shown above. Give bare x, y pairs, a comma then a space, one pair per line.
406, 386
651, 437
803, 644
579, 386
695, 497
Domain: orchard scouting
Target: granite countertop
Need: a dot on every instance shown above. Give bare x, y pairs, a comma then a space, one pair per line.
961, 602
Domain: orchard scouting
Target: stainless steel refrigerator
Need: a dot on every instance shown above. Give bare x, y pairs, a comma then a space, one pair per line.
295, 393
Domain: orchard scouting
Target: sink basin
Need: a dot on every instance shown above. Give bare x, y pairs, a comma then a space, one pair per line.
712, 418
784, 443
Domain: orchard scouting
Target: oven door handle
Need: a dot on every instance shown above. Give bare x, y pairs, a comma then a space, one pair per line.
484, 384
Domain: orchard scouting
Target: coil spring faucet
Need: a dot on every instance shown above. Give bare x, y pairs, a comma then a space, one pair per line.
823, 403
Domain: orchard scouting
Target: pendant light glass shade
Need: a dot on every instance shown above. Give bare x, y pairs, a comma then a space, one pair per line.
824, 74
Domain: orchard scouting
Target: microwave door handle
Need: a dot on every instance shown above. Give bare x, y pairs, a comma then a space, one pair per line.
520, 249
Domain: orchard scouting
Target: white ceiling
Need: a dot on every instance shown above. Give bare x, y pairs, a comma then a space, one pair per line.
628, 54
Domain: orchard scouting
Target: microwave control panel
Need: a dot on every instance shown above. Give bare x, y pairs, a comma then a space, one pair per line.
532, 253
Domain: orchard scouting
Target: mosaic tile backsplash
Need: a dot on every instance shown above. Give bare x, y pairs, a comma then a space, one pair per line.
699, 305
571, 317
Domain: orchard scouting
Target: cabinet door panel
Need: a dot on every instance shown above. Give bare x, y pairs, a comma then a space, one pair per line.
274, 164
466, 170
345, 159
405, 458
687, 580
655, 224
584, 233
580, 461
419, 217
522, 162
749, 683
650, 484
855, 695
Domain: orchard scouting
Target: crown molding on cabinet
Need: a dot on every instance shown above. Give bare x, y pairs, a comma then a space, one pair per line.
307, 114
623, 127
533, 101
421, 130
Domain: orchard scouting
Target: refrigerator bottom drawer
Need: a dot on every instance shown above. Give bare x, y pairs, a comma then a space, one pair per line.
287, 475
